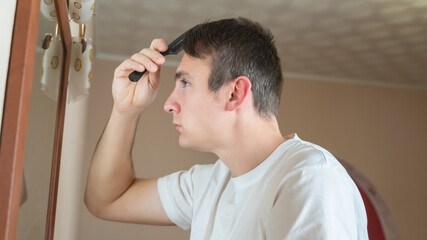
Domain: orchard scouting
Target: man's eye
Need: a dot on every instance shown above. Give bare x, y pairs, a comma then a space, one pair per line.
185, 83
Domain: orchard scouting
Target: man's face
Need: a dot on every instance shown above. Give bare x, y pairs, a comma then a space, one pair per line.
197, 112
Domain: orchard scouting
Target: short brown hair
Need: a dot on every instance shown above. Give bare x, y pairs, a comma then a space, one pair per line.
239, 47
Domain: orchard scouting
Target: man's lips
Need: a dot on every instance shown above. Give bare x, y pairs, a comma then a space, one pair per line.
177, 126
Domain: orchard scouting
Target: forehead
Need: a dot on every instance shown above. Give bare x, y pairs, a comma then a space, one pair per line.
194, 67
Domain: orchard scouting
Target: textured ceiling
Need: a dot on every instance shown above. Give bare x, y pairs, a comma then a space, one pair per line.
371, 41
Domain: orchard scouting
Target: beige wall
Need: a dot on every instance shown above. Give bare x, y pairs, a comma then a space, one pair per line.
381, 131
71, 184
70, 189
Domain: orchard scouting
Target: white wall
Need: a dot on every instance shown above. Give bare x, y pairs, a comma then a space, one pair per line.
7, 14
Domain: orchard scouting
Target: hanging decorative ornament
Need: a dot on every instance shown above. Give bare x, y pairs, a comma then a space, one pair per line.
82, 52
47, 8
82, 55
51, 65
81, 11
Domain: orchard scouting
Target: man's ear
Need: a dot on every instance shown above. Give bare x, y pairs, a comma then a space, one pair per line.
239, 92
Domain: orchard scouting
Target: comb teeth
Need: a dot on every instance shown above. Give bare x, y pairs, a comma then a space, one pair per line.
176, 46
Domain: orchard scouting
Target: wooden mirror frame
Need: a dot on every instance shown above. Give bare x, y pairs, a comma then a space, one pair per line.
16, 111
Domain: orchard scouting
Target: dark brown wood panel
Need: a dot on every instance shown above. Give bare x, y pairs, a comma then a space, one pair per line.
15, 114
65, 32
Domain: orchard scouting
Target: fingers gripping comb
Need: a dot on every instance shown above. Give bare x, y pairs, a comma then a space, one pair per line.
173, 48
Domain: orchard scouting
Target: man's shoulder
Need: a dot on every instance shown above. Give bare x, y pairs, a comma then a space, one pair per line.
302, 154
304, 161
306, 165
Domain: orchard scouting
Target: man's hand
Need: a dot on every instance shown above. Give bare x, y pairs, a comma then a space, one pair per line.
133, 97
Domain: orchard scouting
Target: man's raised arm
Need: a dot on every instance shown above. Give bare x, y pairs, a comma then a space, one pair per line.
112, 191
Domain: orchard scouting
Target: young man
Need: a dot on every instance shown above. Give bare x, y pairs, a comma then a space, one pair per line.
226, 99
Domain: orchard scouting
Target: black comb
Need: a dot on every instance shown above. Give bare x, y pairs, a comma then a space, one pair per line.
173, 48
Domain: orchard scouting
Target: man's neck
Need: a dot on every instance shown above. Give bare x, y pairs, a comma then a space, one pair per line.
249, 145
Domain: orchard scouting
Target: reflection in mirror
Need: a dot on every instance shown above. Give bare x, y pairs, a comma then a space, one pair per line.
41, 127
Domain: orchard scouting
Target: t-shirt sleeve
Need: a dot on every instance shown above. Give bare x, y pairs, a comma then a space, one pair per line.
176, 194
318, 202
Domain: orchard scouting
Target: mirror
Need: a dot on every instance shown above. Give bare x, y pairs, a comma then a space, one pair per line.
41, 126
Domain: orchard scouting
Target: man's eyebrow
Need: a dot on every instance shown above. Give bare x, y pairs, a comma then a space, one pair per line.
180, 74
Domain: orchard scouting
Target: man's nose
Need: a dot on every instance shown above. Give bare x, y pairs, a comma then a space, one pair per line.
171, 105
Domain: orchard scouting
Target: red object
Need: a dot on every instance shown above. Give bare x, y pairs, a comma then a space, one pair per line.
375, 230
381, 225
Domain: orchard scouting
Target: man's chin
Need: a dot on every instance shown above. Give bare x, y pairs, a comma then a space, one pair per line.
186, 143
183, 142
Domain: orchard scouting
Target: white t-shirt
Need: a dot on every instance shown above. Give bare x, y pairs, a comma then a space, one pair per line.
299, 192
